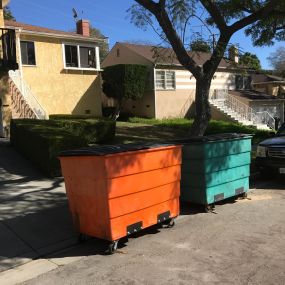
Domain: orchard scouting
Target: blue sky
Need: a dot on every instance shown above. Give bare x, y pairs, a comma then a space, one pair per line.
109, 16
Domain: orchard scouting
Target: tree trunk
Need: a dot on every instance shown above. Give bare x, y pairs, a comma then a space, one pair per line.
203, 110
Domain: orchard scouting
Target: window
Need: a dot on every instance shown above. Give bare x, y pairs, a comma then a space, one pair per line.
87, 57
28, 53
71, 59
165, 79
81, 57
243, 82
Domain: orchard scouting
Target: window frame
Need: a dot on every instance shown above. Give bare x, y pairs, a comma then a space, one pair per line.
78, 45
165, 71
27, 64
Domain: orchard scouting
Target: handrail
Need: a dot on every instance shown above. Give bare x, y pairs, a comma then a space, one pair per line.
27, 94
244, 111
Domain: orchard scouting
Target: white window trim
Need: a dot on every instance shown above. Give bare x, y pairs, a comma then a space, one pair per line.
78, 45
165, 88
29, 65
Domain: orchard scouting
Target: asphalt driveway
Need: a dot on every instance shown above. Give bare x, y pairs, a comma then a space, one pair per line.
241, 243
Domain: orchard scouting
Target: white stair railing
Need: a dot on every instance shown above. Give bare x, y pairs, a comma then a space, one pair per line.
243, 111
27, 94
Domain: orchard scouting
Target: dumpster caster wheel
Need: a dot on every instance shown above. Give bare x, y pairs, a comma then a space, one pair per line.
113, 246
244, 195
209, 208
171, 223
82, 238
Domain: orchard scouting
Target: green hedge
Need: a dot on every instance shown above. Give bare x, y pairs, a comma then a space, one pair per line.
42, 140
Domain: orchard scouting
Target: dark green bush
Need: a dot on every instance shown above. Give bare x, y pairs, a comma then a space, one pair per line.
42, 140
124, 81
70, 117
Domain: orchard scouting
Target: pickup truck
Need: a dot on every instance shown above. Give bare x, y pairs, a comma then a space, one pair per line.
270, 155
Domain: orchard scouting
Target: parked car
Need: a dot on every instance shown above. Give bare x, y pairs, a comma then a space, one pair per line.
270, 156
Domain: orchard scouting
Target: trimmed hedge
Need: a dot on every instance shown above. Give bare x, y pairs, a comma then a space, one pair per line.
42, 140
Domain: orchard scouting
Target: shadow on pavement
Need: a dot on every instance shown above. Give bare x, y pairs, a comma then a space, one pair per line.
275, 182
34, 216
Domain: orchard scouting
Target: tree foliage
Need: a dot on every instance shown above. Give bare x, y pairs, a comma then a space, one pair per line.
250, 61
8, 15
103, 45
124, 81
277, 60
263, 20
200, 45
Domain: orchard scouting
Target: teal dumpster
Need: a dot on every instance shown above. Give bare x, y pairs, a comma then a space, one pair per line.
215, 168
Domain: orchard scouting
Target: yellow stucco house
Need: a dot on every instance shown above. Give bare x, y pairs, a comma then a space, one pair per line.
52, 72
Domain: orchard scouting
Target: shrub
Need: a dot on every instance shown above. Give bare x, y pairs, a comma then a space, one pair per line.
42, 140
124, 82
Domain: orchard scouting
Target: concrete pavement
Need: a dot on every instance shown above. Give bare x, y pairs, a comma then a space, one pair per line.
34, 218
242, 243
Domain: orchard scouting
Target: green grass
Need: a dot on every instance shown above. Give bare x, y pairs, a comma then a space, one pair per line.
182, 127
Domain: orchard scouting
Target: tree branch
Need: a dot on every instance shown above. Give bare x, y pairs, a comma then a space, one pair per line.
211, 65
148, 4
259, 14
175, 41
215, 14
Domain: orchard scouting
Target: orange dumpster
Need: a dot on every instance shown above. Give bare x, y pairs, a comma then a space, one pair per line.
114, 191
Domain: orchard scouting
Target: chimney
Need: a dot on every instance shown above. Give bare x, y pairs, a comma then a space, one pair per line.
83, 28
233, 54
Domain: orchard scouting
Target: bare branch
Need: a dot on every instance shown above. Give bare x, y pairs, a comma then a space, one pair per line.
175, 41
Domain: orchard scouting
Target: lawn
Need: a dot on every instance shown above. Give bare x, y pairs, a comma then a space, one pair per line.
141, 129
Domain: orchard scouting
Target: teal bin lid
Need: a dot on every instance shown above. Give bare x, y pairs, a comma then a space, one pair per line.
213, 138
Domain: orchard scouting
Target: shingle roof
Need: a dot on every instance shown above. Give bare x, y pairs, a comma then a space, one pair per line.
31, 28
164, 56
263, 78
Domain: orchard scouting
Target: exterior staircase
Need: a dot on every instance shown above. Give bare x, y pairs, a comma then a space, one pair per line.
24, 104
240, 112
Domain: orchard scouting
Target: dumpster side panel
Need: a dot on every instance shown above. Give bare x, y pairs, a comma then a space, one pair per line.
216, 163
214, 178
86, 204
193, 195
215, 170
147, 216
80, 166
125, 185
86, 201
207, 195
123, 205
141, 161
227, 190
110, 193
216, 149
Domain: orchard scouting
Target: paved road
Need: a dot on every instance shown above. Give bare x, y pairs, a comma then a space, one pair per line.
242, 243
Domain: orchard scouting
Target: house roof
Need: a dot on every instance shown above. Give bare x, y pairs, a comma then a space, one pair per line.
266, 78
26, 28
254, 95
166, 56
